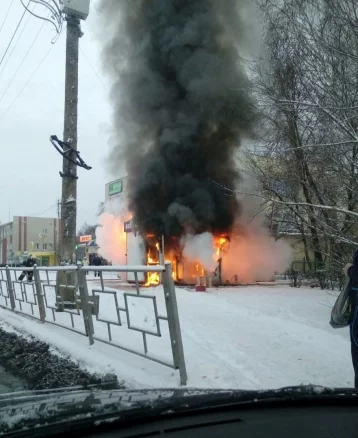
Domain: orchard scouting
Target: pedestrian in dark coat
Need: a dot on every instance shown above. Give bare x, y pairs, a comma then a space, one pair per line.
97, 261
352, 273
29, 263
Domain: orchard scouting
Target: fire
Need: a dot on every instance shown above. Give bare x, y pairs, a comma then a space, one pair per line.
199, 270
219, 243
151, 261
183, 268
153, 279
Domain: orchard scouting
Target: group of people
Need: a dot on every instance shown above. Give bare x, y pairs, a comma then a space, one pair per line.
94, 260
91, 260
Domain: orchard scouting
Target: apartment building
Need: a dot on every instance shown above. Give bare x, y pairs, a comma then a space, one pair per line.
26, 235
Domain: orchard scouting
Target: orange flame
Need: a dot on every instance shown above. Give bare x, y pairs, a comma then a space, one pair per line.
199, 270
152, 279
219, 243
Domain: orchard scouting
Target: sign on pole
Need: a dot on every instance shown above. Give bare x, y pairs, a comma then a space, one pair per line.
115, 187
128, 226
85, 239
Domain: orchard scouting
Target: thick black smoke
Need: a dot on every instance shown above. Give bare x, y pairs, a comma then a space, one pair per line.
181, 106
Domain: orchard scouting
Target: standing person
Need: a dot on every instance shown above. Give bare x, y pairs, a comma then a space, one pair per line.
96, 262
85, 263
352, 272
29, 263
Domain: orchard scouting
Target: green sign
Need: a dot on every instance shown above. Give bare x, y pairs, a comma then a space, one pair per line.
115, 187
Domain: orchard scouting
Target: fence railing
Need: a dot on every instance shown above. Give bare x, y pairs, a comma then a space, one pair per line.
102, 308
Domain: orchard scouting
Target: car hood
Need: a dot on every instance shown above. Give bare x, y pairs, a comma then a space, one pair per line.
25, 410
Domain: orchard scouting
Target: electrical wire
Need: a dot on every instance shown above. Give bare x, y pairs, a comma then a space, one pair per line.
133, 8
7, 13
21, 63
13, 35
43, 211
22, 89
15, 45
27, 82
54, 12
92, 67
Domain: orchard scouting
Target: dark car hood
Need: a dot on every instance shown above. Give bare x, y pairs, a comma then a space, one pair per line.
22, 411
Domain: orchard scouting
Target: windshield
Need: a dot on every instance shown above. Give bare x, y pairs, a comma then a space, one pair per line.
179, 200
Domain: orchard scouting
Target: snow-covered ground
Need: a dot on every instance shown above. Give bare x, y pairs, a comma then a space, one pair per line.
245, 337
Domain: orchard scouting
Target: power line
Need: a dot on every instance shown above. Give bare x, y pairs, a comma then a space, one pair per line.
43, 211
133, 8
23, 60
15, 45
55, 14
22, 89
7, 13
13, 35
92, 67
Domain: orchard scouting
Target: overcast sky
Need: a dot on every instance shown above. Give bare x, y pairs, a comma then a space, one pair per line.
29, 180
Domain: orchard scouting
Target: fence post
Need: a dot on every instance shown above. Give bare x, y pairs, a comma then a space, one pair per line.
86, 307
10, 288
173, 322
39, 295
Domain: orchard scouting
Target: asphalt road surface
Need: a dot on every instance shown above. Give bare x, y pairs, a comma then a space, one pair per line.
9, 383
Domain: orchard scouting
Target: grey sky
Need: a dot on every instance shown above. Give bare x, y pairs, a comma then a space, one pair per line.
29, 179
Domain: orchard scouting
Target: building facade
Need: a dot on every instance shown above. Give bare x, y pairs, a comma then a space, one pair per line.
26, 235
134, 253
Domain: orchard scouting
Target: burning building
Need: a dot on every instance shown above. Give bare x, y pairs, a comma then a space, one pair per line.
182, 106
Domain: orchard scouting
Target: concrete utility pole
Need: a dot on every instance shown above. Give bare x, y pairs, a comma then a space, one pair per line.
66, 282
73, 11
69, 174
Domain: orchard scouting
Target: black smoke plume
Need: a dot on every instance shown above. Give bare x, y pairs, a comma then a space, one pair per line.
181, 107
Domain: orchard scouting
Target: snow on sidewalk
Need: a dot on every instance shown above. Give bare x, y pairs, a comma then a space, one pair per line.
252, 337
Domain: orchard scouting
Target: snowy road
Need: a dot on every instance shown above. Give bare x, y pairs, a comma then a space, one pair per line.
246, 337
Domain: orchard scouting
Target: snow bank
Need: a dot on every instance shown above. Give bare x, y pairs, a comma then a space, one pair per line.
254, 337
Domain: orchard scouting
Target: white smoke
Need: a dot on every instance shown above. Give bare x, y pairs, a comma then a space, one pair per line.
253, 253
200, 248
110, 234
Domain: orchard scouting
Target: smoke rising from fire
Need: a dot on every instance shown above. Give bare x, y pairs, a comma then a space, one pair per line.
253, 253
200, 248
110, 235
181, 108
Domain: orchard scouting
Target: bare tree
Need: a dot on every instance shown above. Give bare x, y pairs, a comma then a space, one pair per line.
87, 230
307, 89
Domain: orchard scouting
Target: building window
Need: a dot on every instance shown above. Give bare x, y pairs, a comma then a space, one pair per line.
44, 246
37, 246
44, 230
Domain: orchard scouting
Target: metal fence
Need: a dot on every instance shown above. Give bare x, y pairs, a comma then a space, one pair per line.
102, 313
